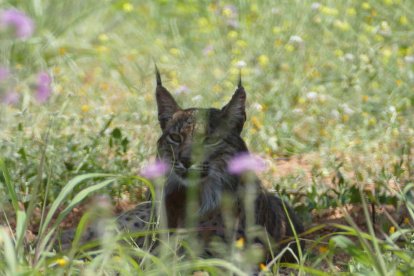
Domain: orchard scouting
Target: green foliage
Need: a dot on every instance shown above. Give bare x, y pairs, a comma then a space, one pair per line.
331, 82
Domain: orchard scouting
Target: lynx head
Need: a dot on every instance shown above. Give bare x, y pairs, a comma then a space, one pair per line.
200, 140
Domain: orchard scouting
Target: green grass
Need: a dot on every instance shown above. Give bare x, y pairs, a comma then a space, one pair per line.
330, 83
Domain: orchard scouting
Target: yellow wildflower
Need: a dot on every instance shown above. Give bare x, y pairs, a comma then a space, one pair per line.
403, 20
240, 243
117, 259
202, 22
406, 220
277, 30
227, 12
254, 8
329, 11
392, 230
375, 85
127, 7
263, 60
379, 38
398, 82
241, 43
365, 98
342, 25
232, 34
339, 53
387, 52
103, 37
351, 11
62, 51
85, 108
236, 51
212, 7
278, 42
366, 6
323, 249
263, 267
62, 262
289, 48
301, 100
256, 123
174, 52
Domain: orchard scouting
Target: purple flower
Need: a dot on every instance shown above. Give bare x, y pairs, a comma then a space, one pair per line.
245, 162
43, 87
155, 169
11, 98
4, 73
182, 89
22, 24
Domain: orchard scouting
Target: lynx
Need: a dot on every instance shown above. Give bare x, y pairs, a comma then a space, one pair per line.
198, 144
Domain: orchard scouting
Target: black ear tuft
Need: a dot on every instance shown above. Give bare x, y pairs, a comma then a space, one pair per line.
239, 85
235, 111
166, 104
157, 76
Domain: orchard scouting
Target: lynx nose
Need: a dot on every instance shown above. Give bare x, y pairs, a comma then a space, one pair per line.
186, 162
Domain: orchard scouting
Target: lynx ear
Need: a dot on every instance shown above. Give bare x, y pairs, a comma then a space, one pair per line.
235, 111
166, 104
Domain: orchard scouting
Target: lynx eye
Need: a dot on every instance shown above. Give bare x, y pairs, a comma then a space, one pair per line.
211, 141
174, 138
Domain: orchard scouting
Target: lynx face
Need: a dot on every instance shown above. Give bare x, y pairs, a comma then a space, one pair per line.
198, 143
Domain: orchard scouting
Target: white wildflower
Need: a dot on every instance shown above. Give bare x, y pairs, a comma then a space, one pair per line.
349, 57
315, 6
297, 111
409, 59
296, 39
257, 106
347, 109
312, 95
241, 64
335, 114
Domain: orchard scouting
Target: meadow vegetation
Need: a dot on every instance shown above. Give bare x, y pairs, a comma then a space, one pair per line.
330, 92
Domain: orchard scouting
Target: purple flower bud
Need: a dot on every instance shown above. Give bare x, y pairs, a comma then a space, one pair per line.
22, 24
4, 73
245, 162
182, 90
155, 169
11, 98
43, 87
